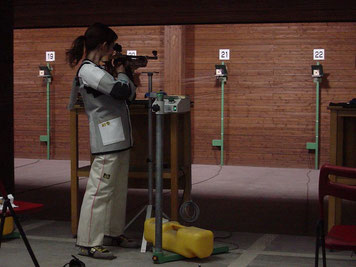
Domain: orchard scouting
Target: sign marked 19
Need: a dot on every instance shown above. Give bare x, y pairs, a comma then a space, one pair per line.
50, 56
319, 54
224, 54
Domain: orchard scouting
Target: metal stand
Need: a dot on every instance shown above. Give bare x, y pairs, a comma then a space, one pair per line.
47, 137
315, 145
222, 77
159, 164
160, 256
147, 208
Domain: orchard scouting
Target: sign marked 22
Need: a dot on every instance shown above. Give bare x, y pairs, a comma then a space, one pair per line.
319, 54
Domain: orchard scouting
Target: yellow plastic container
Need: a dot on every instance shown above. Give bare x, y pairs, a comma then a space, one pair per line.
8, 226
189, 242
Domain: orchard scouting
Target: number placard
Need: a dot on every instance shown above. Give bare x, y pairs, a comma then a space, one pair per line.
50, 56
319, 54
131, 52
224, 54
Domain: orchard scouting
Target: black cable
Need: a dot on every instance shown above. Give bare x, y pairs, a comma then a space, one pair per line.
47, 186
189, 211
203, 181
307, 204
27, 164
229, 234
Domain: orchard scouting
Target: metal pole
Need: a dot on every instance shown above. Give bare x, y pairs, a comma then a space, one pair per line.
317, 127
222, 121
48, 119
49, 79
150, 142
159, 165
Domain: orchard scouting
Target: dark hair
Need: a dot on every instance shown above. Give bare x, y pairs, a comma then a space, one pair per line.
94, 36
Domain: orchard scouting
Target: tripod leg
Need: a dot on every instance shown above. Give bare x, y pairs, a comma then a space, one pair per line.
165, 216
23, 235
134, 218
144, 241
323, 247
317, 245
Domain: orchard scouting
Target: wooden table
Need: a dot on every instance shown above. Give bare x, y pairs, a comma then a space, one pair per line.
176, 155
342, 152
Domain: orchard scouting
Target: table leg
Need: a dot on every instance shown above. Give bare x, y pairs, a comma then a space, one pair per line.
74, 170
187, 158
174, 167
336, 158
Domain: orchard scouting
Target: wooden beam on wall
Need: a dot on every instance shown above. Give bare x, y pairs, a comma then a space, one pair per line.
174, 47
6, 95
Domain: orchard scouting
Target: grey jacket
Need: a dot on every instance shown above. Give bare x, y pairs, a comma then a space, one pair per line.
105, 102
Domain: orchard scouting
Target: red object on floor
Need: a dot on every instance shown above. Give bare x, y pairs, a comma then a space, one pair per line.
9, 211
24, 207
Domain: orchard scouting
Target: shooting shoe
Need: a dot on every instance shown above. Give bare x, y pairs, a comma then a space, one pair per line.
121, 241
97, 252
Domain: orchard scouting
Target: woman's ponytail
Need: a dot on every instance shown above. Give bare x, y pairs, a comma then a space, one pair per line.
97, 34
75, 53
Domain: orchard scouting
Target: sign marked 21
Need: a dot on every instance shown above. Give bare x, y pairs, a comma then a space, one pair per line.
224, 54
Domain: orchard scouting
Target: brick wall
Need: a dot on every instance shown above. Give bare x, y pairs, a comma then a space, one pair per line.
269, 95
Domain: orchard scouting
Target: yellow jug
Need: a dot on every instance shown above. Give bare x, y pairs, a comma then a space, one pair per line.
187, 241
8, 226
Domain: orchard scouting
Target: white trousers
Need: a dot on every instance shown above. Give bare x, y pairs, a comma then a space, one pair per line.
104, 205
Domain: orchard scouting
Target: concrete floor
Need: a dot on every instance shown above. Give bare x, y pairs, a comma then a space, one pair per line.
266, 216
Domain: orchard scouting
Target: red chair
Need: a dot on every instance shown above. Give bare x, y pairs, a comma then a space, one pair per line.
340, 237
9, 210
